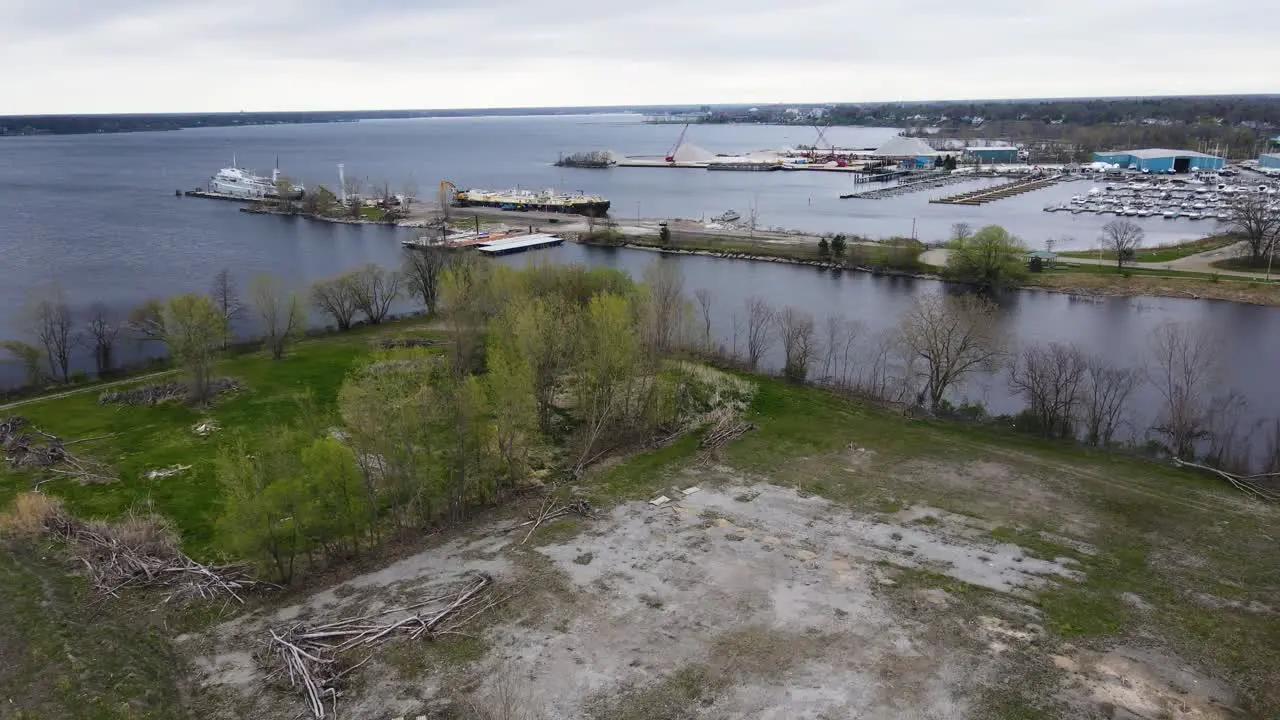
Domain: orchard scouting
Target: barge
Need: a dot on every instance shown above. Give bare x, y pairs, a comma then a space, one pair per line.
524, 200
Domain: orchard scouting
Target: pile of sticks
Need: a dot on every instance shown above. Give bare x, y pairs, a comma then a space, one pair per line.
311, 656
1251, 485
549, 511
724, 432
26, 447
142, 552
390, 343
161, 392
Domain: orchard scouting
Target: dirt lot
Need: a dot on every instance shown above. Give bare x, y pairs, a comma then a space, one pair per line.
743, 599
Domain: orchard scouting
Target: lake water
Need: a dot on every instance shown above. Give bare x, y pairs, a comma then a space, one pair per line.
97, 214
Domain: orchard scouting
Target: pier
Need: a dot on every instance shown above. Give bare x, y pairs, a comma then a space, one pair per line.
520, 244
1000, 192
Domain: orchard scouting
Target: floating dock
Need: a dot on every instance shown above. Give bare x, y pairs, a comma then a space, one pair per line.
1000, 192
520, 244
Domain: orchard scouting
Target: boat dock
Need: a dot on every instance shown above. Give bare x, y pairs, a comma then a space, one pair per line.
221, 196
999, 192
514, 245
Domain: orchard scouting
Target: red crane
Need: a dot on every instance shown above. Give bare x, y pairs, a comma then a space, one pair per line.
671, 156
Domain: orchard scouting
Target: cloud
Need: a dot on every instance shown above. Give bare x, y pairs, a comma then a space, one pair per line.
156, 56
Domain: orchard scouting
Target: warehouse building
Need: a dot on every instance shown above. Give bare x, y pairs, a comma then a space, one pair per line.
1269, 160
1162, 160
993, 154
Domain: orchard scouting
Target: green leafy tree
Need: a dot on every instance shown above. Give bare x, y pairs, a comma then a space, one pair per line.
664, 235
193, 328
991, 259
838, 246
824, 249
263, 499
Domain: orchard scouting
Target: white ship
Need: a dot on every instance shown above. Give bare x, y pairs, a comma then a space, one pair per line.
241, 183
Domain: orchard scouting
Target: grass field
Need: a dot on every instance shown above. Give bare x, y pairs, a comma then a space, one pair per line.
1160, 253
149, 438
1166, 558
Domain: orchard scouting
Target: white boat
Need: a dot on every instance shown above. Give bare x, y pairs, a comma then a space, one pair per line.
728, 216
1169, 214
241, 183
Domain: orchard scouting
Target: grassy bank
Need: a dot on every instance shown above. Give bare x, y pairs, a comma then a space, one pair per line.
1164, 558
1159, 253
901, 255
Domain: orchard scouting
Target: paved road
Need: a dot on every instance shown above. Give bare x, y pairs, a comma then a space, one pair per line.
89, 388
1200, 262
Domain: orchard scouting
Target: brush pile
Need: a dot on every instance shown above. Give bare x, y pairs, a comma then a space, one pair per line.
157, 393
140, 551
312, 657
26, 447
408, 342
727, 429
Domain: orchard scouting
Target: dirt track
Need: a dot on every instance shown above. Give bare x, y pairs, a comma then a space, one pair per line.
740, 600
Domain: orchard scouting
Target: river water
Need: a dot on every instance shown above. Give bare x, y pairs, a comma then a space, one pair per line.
97, 215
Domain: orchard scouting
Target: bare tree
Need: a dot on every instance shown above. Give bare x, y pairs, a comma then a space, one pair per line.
1255, 220
279, 311
664, 306
1051, 378
885, 373
839, 336
760, 330
961, 231
421, 270
226, 297
1184, 365
408, 195
48, 319
373, 290
1106, 396
1124, 237
353, 189
103, 326
952, 336
703, 296
795, 328
336, 298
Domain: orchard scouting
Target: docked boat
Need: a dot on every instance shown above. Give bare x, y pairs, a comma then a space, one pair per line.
543, 201
240, 183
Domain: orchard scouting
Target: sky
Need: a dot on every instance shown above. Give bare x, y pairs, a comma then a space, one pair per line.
133, 56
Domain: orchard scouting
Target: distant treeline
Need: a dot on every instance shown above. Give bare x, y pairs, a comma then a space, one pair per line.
83, 124
1260, 111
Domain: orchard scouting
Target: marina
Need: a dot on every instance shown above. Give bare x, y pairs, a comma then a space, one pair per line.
1193, 199
1000, 192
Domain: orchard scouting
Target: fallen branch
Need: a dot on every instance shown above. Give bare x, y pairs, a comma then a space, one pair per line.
548, 512
312, 656
1247, 484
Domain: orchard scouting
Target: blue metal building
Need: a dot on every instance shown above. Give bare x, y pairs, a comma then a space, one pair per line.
1162, 160
1269, 160
1001, 154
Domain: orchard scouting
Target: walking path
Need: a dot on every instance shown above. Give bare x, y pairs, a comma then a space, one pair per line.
1199, 263
89, 388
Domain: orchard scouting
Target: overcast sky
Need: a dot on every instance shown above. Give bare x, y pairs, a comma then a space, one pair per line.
80, 56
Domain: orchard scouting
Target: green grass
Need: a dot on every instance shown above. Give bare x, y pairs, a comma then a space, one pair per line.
1159, 253
1246, 264
62, 656
145, 438
1143, 520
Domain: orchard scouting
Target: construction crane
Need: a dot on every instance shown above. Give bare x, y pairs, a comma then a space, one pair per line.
671, 156
446, 190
